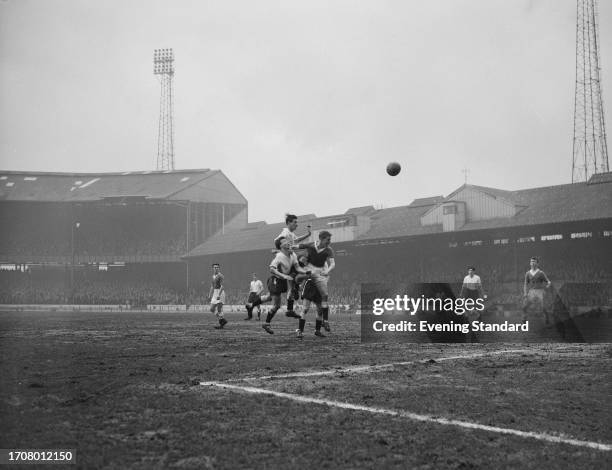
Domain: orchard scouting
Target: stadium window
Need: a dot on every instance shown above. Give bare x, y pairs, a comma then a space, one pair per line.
526, 239
557, 236
449, 210
473, 243
501, 241
452, 244
582, 235
607, 233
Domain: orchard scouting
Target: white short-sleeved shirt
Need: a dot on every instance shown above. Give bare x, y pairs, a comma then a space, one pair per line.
283, 263
256, 286
472, 282
289, 235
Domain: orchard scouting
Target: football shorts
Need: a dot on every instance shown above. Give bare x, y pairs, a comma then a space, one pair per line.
276, 286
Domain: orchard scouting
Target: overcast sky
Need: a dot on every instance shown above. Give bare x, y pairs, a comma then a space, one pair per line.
301, 104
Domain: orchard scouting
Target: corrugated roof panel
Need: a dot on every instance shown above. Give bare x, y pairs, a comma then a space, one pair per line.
601, 178
90, 182
60, 187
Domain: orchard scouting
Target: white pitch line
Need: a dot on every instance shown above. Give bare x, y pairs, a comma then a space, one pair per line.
413, 416
373, 368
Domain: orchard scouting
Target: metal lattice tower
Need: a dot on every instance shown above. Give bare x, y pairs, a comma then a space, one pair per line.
163, 65
590, 147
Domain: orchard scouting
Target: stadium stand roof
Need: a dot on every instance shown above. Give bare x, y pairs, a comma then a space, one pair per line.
245, 239
601, 178
184, 185
552, 204
364, 210
426, 201
544, 205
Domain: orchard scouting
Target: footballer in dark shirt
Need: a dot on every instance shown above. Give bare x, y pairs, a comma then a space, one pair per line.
321, 262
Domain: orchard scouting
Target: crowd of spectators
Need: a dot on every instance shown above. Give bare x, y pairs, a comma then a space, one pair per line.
98, 231
119, 293
579, 277
20, 288
140, 294
94, 245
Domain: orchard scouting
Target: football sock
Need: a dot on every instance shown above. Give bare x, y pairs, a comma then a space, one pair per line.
289, 305
318, 324
302, 323
270, 316
325, 312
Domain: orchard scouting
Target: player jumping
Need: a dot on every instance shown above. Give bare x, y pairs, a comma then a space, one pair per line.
284, 262
288, 233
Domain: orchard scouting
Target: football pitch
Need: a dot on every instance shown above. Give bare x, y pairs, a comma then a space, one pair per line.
166, 390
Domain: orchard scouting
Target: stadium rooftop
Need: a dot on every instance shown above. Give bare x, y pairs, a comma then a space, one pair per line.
482, 208
177, 185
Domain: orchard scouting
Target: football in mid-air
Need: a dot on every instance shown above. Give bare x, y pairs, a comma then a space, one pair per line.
393, 168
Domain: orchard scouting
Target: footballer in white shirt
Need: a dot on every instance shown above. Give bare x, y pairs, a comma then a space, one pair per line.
255, 290
288, 233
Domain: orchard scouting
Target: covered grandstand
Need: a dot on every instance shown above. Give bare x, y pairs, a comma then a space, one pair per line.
90, 235
143, 238
434, 239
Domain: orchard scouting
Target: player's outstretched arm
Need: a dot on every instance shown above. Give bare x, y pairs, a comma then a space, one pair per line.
305, 236
302, 246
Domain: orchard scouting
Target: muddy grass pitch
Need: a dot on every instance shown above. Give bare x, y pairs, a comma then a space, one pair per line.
166, 390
